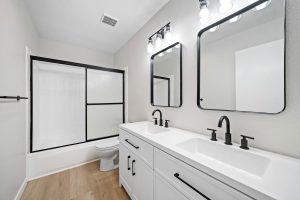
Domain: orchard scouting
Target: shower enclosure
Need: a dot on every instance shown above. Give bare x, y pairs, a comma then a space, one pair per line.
73, 103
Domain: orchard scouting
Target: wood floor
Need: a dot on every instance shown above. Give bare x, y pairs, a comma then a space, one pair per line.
81, 183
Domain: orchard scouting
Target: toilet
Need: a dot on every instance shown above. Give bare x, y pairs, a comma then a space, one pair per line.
108, 152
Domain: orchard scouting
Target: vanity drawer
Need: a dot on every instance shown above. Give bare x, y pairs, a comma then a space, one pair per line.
192, 182
138, 146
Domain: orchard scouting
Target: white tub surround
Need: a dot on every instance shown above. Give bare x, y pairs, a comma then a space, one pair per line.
254, 174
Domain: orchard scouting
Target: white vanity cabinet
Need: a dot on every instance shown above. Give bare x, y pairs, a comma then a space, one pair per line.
148, 173
136, 173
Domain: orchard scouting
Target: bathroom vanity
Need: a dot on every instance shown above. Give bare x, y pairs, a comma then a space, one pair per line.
159, 163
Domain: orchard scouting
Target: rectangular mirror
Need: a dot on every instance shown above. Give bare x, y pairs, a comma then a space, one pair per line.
166, 77
241, 60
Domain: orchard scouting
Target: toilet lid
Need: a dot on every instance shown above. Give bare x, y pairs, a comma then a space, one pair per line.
108, 143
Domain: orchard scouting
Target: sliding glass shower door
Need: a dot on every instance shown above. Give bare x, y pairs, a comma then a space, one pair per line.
105, 103
73, 103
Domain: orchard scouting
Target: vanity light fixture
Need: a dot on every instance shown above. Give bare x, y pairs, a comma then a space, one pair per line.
262, 6
213, 29
225, 5
158, 37
204, 13
235, 19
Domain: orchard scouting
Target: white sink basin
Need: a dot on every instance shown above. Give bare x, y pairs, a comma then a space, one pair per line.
229, 156
155, 129
149, 128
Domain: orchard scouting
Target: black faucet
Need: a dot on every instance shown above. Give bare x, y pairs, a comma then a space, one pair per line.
227, 134
160, 116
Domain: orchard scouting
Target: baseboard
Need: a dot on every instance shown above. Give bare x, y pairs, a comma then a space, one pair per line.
21, 190
64, 169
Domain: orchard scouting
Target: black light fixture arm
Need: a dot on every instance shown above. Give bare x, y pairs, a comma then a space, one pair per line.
203, 3
160, 31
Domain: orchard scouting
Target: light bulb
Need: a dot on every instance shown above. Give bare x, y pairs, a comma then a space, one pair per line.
204, 15
168, 35
262, 6
158, 41
225, 5
169, 50
214, 28
150, 46
234, 19
161, 54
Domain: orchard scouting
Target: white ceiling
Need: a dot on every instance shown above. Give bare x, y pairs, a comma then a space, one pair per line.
78, 21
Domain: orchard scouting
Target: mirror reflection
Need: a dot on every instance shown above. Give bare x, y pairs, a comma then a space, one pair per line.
242, 61
166, 77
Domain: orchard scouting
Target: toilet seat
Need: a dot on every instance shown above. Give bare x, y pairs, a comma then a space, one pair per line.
108, 144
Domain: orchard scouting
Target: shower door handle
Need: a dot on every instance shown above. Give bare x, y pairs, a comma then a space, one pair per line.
128, 159
132, 170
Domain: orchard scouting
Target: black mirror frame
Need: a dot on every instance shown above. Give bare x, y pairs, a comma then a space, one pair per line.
152, 75
251, 6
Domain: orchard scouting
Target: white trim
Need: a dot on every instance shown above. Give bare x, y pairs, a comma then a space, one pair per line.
21, 190
64, 169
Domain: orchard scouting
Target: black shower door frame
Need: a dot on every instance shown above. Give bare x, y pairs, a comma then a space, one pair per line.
86, 67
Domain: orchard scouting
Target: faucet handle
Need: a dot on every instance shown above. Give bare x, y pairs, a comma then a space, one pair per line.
244, 141
155, 120
167, 123
213, 134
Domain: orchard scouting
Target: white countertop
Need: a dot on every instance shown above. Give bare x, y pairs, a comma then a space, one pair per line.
280, 181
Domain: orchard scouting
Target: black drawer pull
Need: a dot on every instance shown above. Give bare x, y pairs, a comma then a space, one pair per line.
126, 140
128, 158
177, 176
132, 172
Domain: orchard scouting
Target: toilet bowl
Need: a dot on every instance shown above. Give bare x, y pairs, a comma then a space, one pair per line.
108, 152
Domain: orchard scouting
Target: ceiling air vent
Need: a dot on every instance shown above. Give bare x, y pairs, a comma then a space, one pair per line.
108, 20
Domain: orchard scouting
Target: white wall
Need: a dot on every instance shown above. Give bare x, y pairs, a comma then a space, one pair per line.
278, 133
73, 53
16, 32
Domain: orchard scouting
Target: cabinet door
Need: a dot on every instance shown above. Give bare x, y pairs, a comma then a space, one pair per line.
164, 190
125, 164
143, 180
